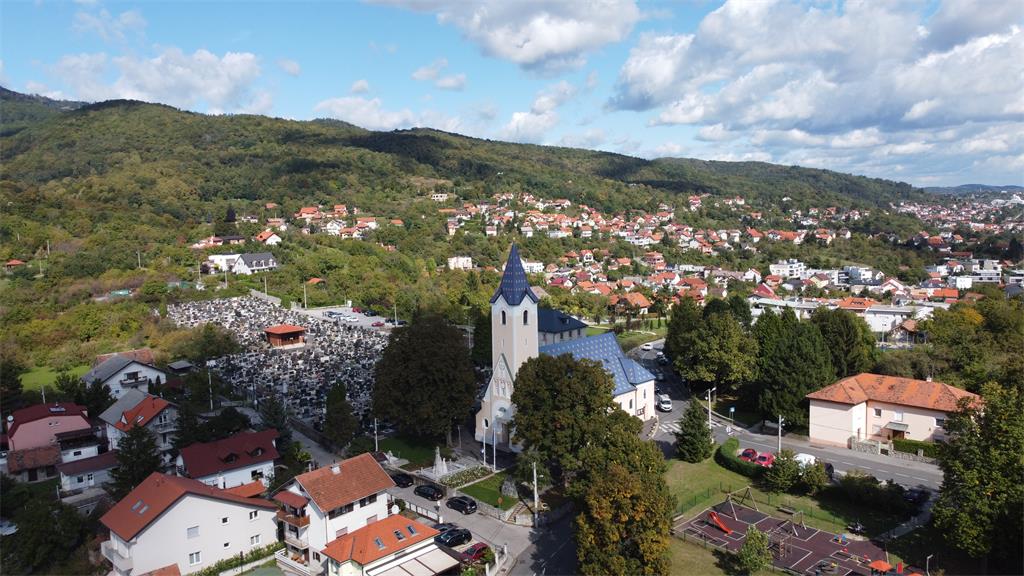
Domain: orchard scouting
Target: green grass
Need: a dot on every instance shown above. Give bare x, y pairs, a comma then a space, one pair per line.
488, 491
914, 548
418, 453
689, 558
632, 339
37, 377
697, 486
743, 415
596, 330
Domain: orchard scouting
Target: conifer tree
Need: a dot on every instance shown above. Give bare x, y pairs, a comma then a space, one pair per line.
137, 458
693, 440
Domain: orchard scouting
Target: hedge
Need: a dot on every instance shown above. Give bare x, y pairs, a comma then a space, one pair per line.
241, 560
930, 449
726, 456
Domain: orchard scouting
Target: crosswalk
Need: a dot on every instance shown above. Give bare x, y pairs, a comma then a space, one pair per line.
673, 427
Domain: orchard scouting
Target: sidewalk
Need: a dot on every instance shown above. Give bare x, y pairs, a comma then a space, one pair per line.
916, 522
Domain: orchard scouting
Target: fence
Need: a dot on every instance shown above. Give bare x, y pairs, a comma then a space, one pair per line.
692, 540
434, 515
264, 296
709, 496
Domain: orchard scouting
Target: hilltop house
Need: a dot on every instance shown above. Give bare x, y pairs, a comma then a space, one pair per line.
876, 407
180, 526
123, 372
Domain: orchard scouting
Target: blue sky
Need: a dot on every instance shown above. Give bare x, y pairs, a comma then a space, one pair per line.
927, 92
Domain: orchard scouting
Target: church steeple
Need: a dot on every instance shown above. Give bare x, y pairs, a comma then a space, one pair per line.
514, 284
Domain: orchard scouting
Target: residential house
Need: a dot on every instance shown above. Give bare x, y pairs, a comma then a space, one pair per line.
460, 263
170, 522
395, 546
136, 408
123, 372
876, 407
32, 464
268, 237
556, 326
240, 459
37, 426
248, 264
85, 461
327, 503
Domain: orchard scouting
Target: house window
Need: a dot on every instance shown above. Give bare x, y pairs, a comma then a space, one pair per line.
80, 479
131, 375
89, 477
256, 474
254, 540
195, 558
224, 520
878, 412
316, 556
526, 317
502, 317
341, 532
897, 416
193, 532
253, 514
339, 511
940, 422
76, 453
368, 500
631, 404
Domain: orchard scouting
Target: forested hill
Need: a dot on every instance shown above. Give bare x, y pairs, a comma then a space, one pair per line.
158, 155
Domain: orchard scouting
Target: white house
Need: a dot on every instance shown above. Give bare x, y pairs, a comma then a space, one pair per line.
82, 465
327, 503
395, 546
241, 459
123, 373
136, 408
268, 237
791, 268
170, 521
460, 263
248, 264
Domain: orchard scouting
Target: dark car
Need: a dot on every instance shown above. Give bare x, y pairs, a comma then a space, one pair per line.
830, 470
402, 480
916, 496
445, 526
748, 455
369, 313
454, 537
429, 491
474, 553
463, 504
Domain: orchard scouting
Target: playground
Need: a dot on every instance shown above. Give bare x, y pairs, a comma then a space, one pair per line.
794, 546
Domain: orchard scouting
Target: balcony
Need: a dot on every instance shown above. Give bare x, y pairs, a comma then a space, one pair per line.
291, 563
121, 564
127, 382
292, 519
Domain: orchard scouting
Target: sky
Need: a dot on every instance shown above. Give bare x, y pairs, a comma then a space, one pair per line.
928, 92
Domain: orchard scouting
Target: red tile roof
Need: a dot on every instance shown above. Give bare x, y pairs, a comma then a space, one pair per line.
142, 413
356, 478
290, 498
169, 570
18, 460
156, 494
361, 545
254, 488
238, 451
893, 390
40, 411
284, 329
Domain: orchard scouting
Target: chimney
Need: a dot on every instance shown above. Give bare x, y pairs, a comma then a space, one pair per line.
335, 468
928, 379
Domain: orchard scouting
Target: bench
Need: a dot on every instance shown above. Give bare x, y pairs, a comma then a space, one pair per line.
786, 510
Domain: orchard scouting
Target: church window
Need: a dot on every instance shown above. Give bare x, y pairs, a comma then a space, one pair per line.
526, 317
502, 317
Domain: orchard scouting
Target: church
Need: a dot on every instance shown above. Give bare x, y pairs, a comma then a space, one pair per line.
518, 328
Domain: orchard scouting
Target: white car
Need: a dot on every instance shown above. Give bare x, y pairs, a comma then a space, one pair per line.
664, 403
647, 347
805, 460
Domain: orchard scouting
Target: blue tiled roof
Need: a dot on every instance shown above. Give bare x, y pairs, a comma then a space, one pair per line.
514, 285
604, 348
555, 321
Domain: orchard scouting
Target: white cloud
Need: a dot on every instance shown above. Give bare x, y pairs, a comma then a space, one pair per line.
371, 114
290, 67
360, 86
33, 87
108, 27
537, 35
588, 139
432, 73
531, 126
222, 83
715, 133
592, 80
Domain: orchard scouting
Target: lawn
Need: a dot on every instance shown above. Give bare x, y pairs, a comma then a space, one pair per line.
689, 558
488, 491
697, 486
632, 338
743, 415
914, 548
419, 454
35, 378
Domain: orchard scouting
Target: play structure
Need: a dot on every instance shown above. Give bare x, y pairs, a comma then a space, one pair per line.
795, 546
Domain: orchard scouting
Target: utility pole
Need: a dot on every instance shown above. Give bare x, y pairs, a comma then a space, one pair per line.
47, 247
376, 448
536, 500
781, 420
304, 304
265, 285
138, 255
494, 446
710, 391
209, 381
43, 390
927, 564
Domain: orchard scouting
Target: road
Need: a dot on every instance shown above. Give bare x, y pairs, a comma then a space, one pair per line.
905, 472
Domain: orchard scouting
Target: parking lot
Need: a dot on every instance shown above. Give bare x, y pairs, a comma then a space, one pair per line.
346, 315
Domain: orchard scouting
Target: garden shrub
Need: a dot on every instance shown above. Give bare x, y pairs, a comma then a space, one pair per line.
930, 449
726, 456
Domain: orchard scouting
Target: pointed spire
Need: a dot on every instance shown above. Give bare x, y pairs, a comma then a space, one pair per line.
514, 284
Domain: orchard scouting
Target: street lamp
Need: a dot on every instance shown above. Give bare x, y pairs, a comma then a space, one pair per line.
710, 391
927, 563
781, 420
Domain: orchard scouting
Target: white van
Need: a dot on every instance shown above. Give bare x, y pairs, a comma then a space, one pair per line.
664, 403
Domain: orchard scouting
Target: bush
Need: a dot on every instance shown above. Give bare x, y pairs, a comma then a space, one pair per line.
726, 456
860, 488
783, 474
465, 476
930, 449
236, 561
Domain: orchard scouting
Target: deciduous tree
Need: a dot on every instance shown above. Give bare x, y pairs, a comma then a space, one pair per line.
719, 352
754, 554
784, 472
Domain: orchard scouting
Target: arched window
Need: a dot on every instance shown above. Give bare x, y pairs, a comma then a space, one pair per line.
502, 317
526, 317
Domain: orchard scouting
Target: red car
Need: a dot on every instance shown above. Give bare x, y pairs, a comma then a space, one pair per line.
377, 324
748, 455
357, 309
474, 553
765, 459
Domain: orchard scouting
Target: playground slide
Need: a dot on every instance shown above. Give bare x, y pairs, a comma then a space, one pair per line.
713, 516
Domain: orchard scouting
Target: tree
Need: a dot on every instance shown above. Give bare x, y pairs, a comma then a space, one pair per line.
797, 365
11, 370
978, 509
340, 425
848, 339
814, 478
137, 458
693, 440
188, 430
783, 473
740, 309
274, 414
482, 339
95, 396
720, 352
754, 554
226, 423
424, 382
523, 471
560, 403
48, 532
686, 319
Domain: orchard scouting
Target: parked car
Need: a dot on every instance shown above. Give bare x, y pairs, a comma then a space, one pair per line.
429, 491
351, 319
454, 537
402, 322
748, 455
647, 347
659, 376
805, 460
357, 309
664, 403
916, 496
377, 324
445, 526
402, 480
369, 313
474, 553
663, 361
463, 504
765, 459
